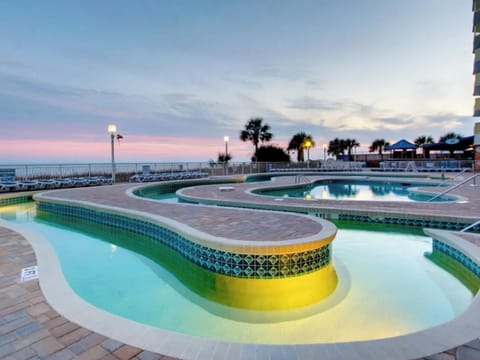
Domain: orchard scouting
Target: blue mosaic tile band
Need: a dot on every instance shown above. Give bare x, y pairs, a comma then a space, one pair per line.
222, 262
457, 255
15, 200
430, 223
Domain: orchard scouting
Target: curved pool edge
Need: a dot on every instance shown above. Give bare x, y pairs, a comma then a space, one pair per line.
328, 230
427, 188
453, 215
263, 275
64, 300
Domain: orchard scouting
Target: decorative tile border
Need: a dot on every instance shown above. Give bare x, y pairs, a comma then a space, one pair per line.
430, 223
4, 201
251, 266
459, 256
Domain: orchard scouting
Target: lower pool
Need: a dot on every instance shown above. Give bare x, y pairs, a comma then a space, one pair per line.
350, 189
387, 286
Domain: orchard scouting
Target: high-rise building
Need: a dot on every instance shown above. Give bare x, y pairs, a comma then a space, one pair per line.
476, 51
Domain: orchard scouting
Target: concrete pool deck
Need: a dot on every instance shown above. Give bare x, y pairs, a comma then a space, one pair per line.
19, 302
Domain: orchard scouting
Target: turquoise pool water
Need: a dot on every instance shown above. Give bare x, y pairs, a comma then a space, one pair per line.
166, 197
387, 287
349, 189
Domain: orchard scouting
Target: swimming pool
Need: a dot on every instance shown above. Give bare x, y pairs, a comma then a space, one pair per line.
352, 189
387, 286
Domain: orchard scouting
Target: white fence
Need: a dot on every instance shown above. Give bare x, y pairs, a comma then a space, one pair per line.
125, 170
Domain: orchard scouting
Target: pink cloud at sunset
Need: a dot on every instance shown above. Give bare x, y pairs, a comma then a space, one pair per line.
129, 149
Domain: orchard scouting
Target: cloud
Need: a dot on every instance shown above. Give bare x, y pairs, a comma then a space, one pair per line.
311, 103
247, 83
10, 61
56, 109
290, 73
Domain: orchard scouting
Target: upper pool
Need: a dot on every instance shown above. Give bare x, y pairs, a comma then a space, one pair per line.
353, 189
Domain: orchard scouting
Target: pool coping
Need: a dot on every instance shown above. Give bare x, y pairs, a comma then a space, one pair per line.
423, 343
201, 237
425, 214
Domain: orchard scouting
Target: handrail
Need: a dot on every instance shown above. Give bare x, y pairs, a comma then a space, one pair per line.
300, 177
452, 178
453, 187
470, 226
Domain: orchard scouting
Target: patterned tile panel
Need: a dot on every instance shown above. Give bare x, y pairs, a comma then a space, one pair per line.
418, 222
466, 261
228, 263
15, 200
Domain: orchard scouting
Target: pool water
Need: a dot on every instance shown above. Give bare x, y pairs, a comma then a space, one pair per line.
355, 190
387, 287
165, 197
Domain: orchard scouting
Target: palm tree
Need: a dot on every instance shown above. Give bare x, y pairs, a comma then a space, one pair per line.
256, 132
422, 140
447, 136
299, 142
379, 145
453, 137
337, 147
350, 144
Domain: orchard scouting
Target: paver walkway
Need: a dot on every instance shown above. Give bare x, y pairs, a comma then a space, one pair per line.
222, 222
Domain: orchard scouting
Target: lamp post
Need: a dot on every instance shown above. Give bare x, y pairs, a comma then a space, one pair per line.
112, 130
324, 154
308, 145
226, 139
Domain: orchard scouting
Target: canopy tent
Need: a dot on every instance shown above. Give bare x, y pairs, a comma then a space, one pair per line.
408, 150
402, 145
451, 145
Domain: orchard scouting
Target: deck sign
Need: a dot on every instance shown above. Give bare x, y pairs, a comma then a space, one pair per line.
29, 273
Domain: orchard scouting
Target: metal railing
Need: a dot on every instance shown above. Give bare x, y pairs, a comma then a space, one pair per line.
453, 178
456, 186
126, 170
471, 226
302, 179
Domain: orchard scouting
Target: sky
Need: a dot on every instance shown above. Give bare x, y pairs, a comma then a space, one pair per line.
178, 76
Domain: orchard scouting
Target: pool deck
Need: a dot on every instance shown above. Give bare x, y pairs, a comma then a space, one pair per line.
468, 211
31, 328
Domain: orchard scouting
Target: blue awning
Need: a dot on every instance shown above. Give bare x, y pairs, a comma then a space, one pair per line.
402, 145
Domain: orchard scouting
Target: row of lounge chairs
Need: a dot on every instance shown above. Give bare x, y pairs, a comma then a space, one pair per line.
168, 176
23, 185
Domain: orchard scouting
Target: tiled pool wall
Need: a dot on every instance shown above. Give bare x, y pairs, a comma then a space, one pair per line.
333, 214
250, 266
466, 261
408, 221
12, 200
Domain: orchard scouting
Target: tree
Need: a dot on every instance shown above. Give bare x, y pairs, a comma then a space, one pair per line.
224, 158
449, 135
379, 145
256, 132
299, 142
350, 145
336, 147
271, 153
424, 139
